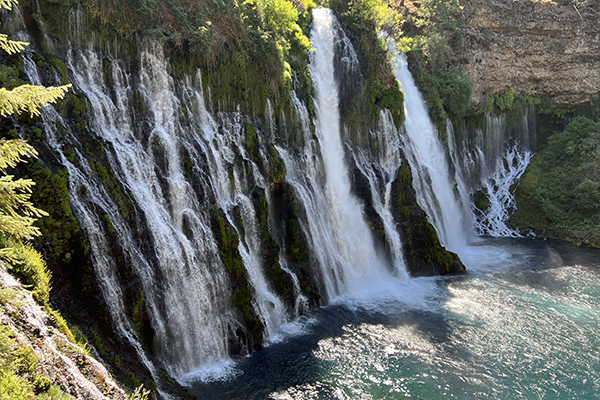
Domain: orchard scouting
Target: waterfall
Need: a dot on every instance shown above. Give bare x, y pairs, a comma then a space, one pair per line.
492, 162
354, 261
186, 288
173, 164
445, 178
435, 187
87, 193
379, 166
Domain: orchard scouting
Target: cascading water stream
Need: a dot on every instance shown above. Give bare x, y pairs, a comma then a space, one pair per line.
356, 261
492, 164
379, 166
435, 189
86, 190
179, 284
185, 284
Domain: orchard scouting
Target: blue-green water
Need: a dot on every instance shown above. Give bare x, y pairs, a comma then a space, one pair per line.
523, 324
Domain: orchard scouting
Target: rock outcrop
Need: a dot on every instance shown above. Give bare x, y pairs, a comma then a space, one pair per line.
59, 360
534, 47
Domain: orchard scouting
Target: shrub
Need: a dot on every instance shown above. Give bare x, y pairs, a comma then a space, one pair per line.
454, 89
562, 184
28, 263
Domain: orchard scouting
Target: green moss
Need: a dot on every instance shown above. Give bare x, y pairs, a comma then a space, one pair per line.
251, 144
9, 76
228, 242
113, 187
298, 250
380, 90
141, 322
423, 251
109, 225
60, 230
60, 67
481, 201
277, 170
108, 73
134, 380
241, 297
98, 344
271, 249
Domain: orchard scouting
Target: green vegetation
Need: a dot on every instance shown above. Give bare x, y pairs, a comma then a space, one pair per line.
228, 241
18, 376
364, 18
17, 213
432, 35
246, 49
24, 98
28, 264
560, 191
454, 90
270, 248
549, 117
438, 32
139, 393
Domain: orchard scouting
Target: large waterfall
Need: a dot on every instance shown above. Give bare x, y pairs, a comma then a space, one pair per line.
177, 167
352, 261
160, 181
435, 187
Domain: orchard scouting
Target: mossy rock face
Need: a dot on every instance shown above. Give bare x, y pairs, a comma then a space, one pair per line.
287, 228
370, 88
481, 201
277, 170
270, 249
241, 297
273, 165
423, 253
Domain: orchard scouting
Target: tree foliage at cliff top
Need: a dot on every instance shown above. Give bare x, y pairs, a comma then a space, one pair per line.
257, 35
561, 188
434, 29
432, 37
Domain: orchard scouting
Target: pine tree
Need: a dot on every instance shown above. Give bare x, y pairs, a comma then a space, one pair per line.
17, 213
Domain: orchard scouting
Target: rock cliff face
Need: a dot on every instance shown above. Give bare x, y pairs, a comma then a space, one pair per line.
534, 47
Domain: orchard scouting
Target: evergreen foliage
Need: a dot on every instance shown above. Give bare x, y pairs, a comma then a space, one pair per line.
17, 213
454, 90
437, 20
29, 98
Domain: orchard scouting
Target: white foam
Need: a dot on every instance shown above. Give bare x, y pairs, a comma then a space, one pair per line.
216, 372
